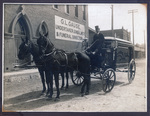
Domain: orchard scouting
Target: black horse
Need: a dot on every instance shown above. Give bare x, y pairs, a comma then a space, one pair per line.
44, 66
27, 47
72, 61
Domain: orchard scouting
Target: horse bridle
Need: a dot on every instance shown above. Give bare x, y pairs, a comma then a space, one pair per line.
45, 48
25, 47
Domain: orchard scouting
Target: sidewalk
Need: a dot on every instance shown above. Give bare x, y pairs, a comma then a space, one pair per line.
19, 75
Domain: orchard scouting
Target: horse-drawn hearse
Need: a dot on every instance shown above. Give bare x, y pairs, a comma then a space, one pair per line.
116, 53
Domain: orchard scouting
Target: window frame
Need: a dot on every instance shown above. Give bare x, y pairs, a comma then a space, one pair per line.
84, 12
55, 7
67, 9
76, 11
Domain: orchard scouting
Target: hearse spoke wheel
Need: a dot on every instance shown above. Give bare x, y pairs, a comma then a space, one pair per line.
131, 71
77, 79
108, 80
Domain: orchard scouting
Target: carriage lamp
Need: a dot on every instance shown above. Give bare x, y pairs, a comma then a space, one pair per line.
114, 44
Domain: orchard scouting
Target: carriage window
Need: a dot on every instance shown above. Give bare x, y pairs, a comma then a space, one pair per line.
76, 10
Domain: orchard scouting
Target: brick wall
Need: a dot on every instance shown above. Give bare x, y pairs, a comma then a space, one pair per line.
35, 14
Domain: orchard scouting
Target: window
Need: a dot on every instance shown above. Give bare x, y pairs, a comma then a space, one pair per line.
56, 6
76, 10
43, 28
67, 9
20, 27
84, 12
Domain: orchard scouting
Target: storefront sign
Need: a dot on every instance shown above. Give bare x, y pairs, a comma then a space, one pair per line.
68, 30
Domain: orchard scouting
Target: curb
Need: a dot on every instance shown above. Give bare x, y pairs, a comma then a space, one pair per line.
21, 75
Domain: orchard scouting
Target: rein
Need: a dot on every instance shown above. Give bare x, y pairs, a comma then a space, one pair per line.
22, 65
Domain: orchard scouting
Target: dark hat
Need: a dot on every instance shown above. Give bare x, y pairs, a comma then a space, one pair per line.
97, 27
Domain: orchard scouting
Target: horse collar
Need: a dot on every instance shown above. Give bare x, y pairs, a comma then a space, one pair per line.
52, 52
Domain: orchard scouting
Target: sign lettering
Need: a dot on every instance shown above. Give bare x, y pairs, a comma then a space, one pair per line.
68, 30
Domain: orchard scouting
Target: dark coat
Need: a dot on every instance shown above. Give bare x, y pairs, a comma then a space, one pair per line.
97, 43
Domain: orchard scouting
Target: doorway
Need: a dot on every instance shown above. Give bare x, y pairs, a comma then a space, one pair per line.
21, 31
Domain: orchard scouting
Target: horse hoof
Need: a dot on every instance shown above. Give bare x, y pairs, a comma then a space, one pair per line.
62, 88
66, 88
49, 98
47, 95
57, 99
42, 93
87, 93
82, 94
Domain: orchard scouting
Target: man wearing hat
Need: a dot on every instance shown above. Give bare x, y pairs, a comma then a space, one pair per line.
97, 43
94, 50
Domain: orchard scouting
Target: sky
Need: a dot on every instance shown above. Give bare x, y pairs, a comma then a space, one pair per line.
101, 14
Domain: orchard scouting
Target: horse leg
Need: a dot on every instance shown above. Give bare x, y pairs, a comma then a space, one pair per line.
49, 77
83, 87
67, 77
88, 84
43, 80
56, 75
48, 82
62, 75
51, 86
71, 74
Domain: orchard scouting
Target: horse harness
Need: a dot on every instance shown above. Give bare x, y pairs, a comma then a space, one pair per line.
59, 54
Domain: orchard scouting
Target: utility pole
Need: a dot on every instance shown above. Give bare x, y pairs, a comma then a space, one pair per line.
133, 11
112, 20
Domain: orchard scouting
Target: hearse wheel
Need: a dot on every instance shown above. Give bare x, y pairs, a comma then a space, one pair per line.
131, 71
77, 78
108, 80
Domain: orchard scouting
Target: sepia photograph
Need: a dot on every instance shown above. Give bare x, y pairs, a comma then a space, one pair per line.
74, 57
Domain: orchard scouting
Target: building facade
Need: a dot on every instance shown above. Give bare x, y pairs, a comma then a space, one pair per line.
67, 26
119, 33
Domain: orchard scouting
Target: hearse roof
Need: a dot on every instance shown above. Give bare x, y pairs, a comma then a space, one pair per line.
117, 39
